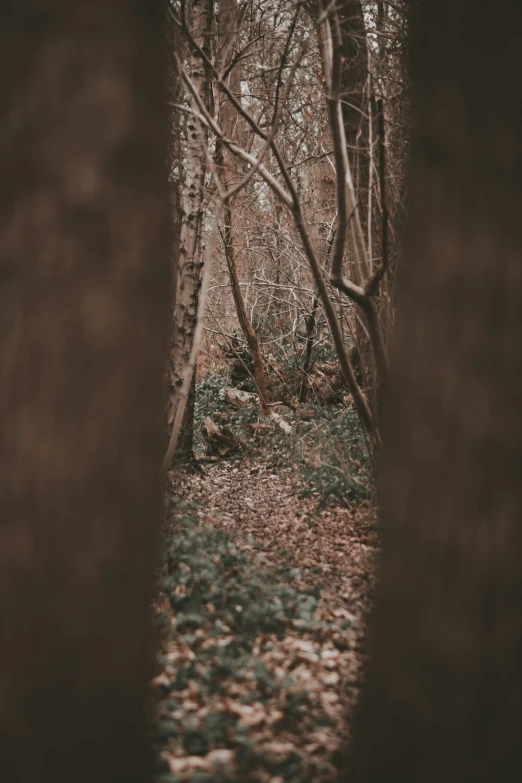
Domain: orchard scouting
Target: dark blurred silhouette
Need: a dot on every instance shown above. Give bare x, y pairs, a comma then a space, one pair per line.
444, 695
84, 294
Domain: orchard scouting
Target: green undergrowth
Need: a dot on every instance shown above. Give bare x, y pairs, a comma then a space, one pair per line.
212, 585
228, 610
328, 450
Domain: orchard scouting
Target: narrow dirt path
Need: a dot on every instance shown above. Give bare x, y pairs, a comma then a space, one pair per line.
341, 542
288, 694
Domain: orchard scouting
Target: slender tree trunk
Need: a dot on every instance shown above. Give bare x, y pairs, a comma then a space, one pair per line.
174, 90
310, 321
355, 96
199, 17
443, 699
83, 339
355, 91
231, 174
244, 321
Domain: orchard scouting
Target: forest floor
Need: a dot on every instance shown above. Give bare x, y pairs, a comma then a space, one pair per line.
262, 611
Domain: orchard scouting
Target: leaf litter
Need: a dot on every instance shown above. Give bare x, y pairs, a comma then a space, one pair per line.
262, 612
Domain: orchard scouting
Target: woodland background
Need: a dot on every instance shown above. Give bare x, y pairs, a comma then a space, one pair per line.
289, 140
318, 308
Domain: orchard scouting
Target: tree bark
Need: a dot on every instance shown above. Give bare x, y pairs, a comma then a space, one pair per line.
175, 168
190, 265
83, 339
443, 698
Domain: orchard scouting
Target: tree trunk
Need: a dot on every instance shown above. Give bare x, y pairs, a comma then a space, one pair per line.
231, 174
355, 95
184, 455
244, 321
443, 699
83, 338
190, 265
356, 113
310, 321
175, 167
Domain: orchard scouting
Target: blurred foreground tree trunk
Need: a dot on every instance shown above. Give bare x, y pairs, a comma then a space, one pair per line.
443, 700
84, 294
